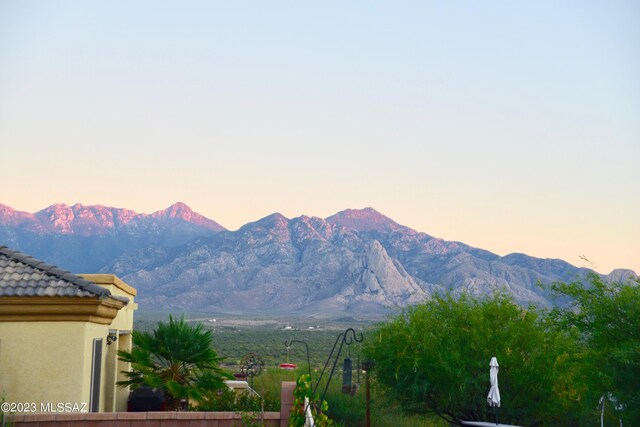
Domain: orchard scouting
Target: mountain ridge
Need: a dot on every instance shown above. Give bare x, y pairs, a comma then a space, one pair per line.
96, 219
85, 238
355, 260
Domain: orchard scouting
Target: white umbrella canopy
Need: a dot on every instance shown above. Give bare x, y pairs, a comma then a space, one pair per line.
493, 398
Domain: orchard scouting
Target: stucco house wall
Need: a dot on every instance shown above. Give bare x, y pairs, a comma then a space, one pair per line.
39, 361
52, 323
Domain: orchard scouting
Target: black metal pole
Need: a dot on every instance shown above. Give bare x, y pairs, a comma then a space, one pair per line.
308, 359
347, 337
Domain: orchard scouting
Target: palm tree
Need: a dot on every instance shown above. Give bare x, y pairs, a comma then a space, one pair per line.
178, 358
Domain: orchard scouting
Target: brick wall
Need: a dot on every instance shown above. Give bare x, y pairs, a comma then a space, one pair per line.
144, 419
161, 419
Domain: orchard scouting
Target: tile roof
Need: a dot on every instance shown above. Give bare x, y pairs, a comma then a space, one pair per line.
22, 275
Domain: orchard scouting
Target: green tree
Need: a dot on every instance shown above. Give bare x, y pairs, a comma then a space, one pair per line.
434, 358
607, 317
177, 357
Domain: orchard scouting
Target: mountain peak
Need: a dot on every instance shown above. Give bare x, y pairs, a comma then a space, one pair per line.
275, 219
182, 211
367, 219
58, 217
178, 209
12, 217
56, 207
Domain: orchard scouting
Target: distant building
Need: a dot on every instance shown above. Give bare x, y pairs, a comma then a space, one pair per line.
59, 336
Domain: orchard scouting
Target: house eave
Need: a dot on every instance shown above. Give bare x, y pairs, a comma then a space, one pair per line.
39, 309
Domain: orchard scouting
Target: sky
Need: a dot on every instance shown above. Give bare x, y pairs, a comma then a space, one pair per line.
509, 126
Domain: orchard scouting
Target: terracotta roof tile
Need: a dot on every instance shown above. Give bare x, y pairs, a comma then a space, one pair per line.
22, 275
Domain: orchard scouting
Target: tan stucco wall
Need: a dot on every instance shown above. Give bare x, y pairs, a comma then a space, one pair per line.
115, 398
122, 394
50, 361
45, 361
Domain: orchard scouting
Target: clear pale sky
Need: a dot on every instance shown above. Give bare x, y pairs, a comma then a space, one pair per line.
510, 126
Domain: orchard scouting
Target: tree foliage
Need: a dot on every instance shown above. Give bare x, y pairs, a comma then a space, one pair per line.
177, 357
607, 318
434, 358
230, 400
318, 407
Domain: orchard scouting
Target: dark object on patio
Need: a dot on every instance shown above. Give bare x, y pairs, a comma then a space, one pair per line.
145, 399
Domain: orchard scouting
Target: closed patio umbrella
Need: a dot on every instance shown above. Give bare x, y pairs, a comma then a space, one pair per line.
494, 393
493, 398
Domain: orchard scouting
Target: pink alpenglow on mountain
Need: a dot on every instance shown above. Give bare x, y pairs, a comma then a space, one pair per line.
97, 219
357, 261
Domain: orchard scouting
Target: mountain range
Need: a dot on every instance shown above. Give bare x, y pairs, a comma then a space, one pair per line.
357, 261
